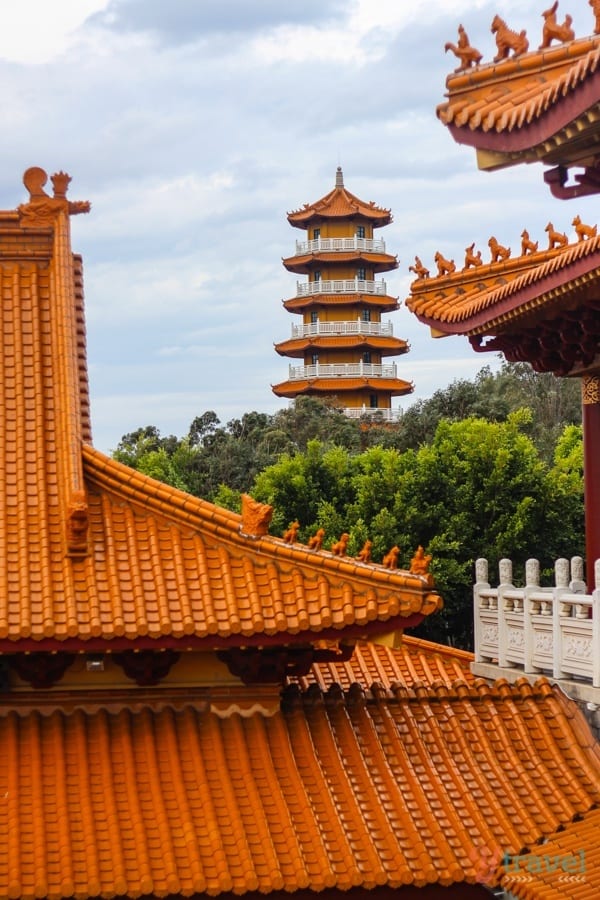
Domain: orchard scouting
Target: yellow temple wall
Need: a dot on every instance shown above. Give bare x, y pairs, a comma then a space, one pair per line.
343, 228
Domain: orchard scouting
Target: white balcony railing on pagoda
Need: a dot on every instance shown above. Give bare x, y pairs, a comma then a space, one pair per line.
554, 630
341, 286
314, 329
339, 245
369, 412
343, 370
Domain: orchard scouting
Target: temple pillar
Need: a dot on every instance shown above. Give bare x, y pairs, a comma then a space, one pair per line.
591, 472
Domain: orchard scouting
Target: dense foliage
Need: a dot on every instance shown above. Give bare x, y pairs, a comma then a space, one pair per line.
491, 468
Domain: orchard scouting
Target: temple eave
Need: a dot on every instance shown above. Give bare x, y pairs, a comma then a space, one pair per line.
386, 346
383, 302
395, 387
303, 265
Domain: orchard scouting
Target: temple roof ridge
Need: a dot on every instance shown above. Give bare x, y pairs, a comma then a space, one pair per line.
340, 203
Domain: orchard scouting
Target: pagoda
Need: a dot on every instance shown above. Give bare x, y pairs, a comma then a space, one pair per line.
541, 306
342, 344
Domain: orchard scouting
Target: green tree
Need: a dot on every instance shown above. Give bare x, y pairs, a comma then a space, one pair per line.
478, 489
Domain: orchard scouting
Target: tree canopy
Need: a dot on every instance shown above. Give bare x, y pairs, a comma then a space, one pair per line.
490, 467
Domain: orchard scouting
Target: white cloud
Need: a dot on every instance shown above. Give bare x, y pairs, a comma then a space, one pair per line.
35, 31
192, 145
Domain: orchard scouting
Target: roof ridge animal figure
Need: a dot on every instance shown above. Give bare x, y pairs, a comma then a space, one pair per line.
527, 245
463, 51
472, 258
390, 560
419, 564
445, 266
316, 541
584, 232
499, 253
508, 40
419, 269
553, 31
365, 554
555, 238
291, 535
595, 4
340, 547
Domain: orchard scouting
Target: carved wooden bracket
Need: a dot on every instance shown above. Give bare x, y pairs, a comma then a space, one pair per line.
146, 667
41, 670
273, 665
586, 182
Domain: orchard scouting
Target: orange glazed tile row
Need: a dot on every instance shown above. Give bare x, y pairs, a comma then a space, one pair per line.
511, 94
464, 300
567, 865
414, 662
90, 549
334, 790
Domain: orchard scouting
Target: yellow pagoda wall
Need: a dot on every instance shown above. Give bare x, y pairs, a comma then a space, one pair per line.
339, 229
327, 313
358, 399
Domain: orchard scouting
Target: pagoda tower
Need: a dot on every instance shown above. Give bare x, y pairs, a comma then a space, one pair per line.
342, 341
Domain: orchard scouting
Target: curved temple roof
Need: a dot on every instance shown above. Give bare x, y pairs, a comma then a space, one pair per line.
554, 288
339, 203
408, 785
538, 106
105, 554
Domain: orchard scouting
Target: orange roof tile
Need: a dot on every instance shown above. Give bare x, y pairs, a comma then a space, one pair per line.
297, 347
339, 204
414, 662
378, 262
393, 386
398, 787
521, 109
482, 299
106, 554
567, 865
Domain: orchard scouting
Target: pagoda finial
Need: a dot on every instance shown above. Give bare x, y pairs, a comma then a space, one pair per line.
339, 177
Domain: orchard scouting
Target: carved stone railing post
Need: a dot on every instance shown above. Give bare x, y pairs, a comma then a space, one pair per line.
505, 585
596, 628
481, 584
562, 578
577, 585
532, 584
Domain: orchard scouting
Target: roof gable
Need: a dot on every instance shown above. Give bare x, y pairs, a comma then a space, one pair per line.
339, 204
96, 552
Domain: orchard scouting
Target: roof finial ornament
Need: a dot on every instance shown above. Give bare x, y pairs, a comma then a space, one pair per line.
42, 210
497, 251
463, 51
555, 238
584, 232
553, 31
527, 245
595, 4
445, 266
507, 40
339, 177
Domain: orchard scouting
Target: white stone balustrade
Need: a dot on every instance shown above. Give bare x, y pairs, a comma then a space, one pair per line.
554, 630
341, 286
343, 370
340, 245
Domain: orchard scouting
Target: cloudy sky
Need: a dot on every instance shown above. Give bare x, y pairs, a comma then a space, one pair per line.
194, 126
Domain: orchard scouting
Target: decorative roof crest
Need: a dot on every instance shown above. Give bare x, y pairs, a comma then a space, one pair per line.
595, 4
508, 41
516, 43
553, 31
467, 55
501, 255
42, 210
